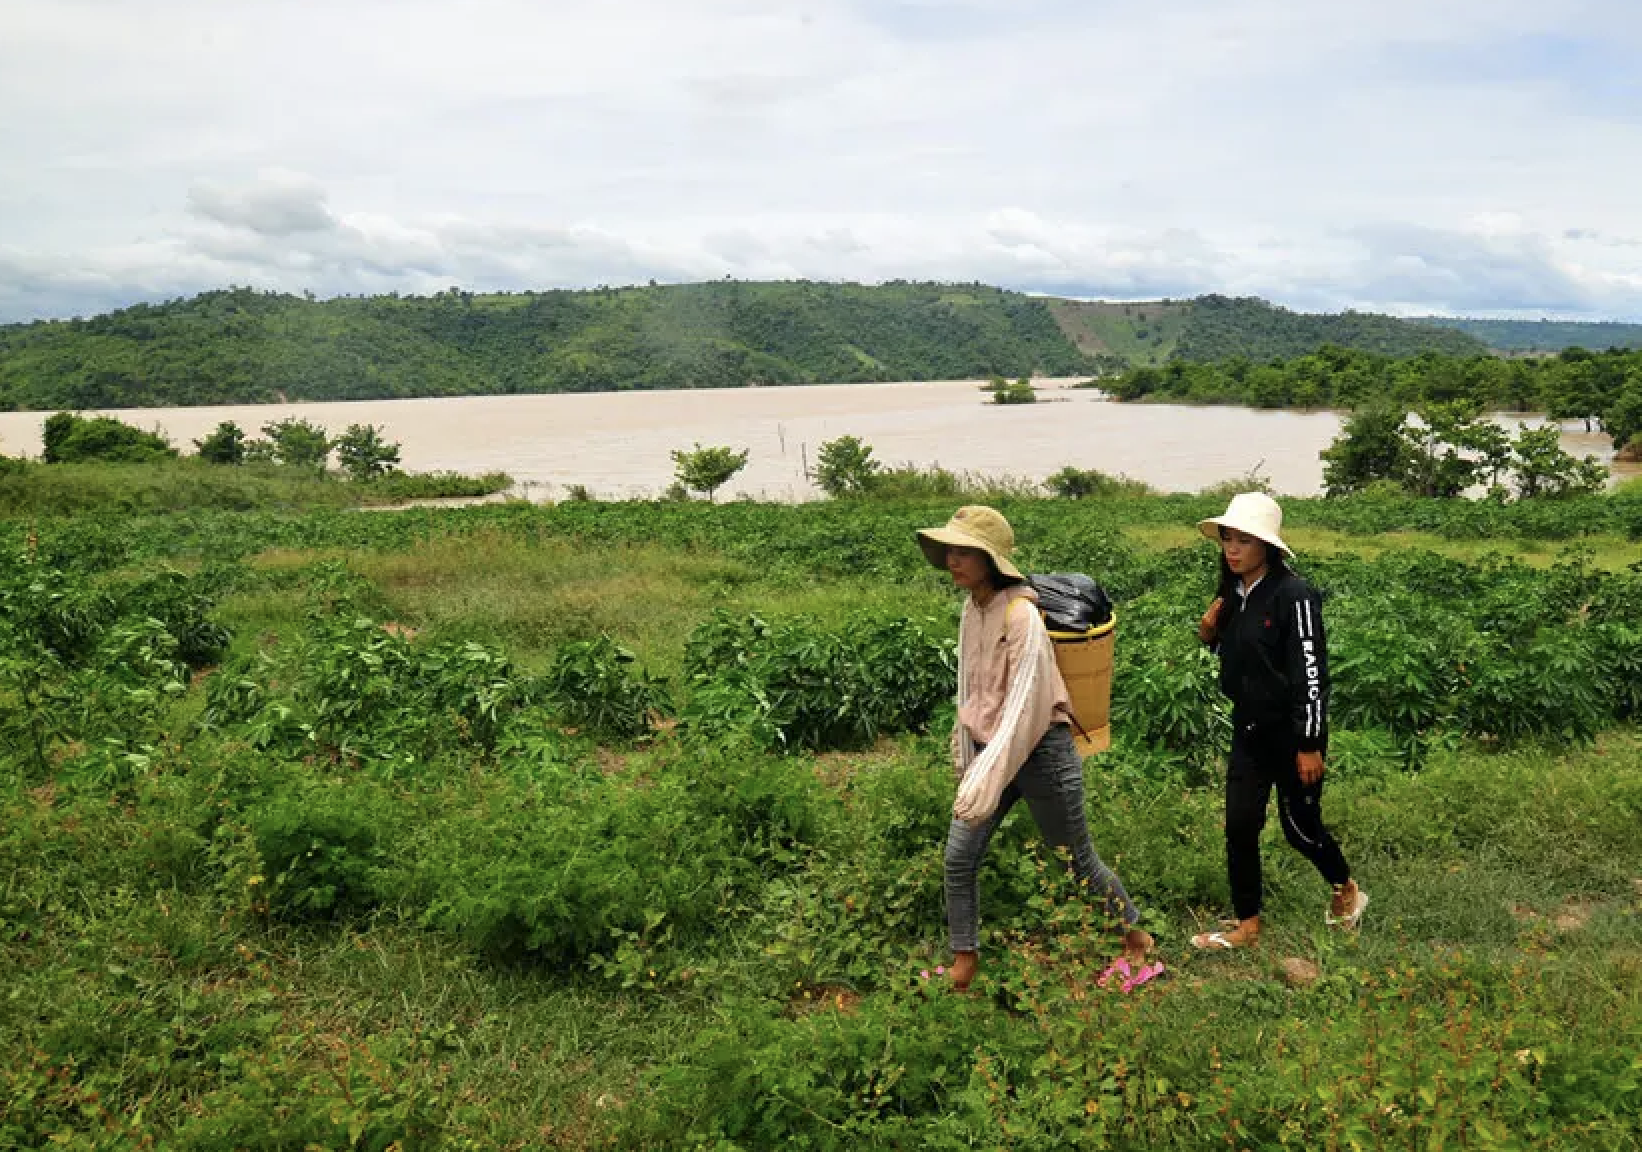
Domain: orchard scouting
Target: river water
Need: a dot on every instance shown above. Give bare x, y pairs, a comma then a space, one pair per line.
618, 444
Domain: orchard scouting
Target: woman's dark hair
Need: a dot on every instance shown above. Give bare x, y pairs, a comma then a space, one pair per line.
999, 580
1276, 568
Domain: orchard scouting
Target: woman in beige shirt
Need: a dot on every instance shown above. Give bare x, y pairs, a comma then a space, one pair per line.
1013, 739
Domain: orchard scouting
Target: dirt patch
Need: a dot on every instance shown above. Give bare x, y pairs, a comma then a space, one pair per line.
200, 675
1298, 973
1572, 916
837, 769
823, 998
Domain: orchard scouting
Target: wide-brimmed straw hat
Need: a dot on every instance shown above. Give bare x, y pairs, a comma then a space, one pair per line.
1254, 513
973, 526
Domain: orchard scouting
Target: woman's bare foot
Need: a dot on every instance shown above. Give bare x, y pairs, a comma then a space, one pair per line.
1245, 935
963, 969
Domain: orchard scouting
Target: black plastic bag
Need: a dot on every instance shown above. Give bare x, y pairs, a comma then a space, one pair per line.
1071, 601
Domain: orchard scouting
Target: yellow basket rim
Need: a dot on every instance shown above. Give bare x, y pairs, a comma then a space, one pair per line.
1094, 633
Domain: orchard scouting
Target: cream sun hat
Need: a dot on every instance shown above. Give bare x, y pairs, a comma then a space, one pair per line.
1254, 513
973, 526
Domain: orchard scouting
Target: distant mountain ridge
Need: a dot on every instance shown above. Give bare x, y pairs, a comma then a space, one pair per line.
1542, 336
244, 346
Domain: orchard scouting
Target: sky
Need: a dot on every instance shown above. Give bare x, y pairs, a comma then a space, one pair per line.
1477, 157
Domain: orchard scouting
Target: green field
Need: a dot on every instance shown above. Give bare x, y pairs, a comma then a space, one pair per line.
620, 825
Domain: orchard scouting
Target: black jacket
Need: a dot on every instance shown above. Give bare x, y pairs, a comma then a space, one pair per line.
1274, 660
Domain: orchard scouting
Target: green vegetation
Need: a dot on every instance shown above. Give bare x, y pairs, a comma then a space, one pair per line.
1542, 336
845, 467
1212, 329
1013, 391
513, 826
706, 470
70, 439
102, 463
241, 346
1450, 449
1118, 335
1575, 385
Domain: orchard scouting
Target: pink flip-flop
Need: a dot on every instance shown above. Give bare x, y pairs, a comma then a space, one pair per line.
1118, 968
1147, 973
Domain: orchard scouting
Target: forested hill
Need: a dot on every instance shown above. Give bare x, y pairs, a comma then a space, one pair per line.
1543, 336
246, 346
243, 346
1212, 329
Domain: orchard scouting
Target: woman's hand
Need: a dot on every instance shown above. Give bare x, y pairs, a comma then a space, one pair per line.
1310, 765
1208, 628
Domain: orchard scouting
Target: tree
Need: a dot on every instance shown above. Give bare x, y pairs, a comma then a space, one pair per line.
1543, 469
363, 453
68, 438
706, 470
1438, 465
1623, 418
1369, 448
845, 467
225, 445
298, 444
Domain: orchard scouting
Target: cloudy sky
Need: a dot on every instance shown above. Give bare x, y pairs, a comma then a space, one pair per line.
1471, 156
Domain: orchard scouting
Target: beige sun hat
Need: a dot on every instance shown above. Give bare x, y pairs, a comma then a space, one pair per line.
973, 526
1254, 513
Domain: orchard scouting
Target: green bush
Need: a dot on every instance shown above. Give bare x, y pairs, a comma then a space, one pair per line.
598, 686
791, 683
322, 850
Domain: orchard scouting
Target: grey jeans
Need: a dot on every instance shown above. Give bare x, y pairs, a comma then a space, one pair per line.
1051, 782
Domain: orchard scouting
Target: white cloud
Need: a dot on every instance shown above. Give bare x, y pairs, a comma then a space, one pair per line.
1326, 154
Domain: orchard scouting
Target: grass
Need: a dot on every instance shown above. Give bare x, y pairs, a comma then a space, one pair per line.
1097, 327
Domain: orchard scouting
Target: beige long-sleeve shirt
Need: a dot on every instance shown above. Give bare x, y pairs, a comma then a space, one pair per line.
993, 646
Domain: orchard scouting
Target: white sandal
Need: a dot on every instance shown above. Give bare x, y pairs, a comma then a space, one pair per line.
1350, 919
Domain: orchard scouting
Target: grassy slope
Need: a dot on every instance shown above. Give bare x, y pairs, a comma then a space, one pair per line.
1142, 333
1505, 921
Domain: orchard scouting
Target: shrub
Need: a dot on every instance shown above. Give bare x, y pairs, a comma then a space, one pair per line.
792, 683
68, 439
845, 467
320, 850
706, 470
598, 686
297, 443
364, 455
225, 445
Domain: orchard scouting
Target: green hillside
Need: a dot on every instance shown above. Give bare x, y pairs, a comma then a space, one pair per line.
244, 346
1542, 336
1211, 329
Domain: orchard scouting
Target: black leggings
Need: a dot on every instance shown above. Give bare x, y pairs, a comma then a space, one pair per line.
1259, 761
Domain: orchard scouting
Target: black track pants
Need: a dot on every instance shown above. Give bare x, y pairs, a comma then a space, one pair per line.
1258, 761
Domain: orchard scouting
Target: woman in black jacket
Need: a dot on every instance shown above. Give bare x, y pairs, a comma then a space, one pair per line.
1266, 624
